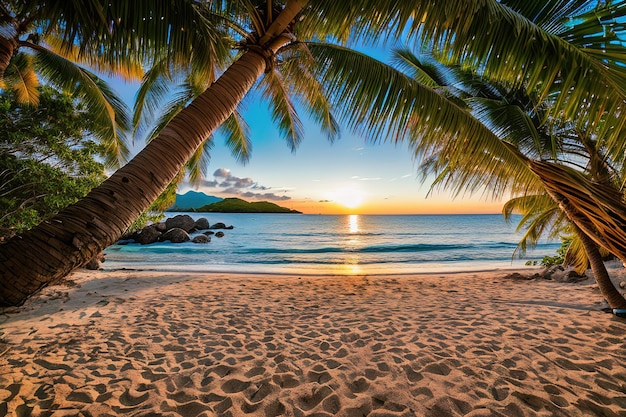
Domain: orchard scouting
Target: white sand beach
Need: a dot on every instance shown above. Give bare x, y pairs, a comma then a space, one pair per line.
136, 343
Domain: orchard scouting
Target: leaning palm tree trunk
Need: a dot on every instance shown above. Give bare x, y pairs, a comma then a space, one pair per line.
598, 213
53, 249
601, 275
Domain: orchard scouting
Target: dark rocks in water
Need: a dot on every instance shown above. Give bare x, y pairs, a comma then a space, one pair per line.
147, 235
175, 235
220, 225
181, 221
201, 224
176, 230
201, 239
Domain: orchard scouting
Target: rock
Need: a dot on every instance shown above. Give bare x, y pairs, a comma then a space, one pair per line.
201, 224
161, 227
219, 234
201, 239
175, 235
147, 235
220, 225
209, 233
560, 274
550, 271
182, 221
573, 276
95, 263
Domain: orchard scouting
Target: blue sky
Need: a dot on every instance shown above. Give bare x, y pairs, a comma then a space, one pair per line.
348, 176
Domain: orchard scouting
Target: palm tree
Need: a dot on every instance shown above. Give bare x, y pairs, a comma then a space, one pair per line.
31, 52
519, 120
53, 249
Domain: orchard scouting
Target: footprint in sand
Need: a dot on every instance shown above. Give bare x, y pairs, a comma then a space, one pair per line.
309, 402
319, 377
234, 385
276, 408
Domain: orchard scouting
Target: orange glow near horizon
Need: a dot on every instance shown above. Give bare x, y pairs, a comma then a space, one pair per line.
426, 206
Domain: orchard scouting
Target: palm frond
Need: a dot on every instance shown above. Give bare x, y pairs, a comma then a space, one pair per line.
541, 216
275, 90
169, 111
510, 123
237, 137
111, 115
597, 209
551, 16
380, 102
199, 162
124, 66
297, 70
418, 69
576, 255
153, 90
21, 77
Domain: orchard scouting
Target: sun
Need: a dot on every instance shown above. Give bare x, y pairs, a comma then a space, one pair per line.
349, 197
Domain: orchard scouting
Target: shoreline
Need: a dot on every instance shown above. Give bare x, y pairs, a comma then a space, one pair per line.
142, 343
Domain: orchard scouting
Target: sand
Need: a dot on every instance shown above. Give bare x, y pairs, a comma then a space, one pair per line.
136, 343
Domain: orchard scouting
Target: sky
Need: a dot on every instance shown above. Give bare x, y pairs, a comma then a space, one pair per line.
349, 176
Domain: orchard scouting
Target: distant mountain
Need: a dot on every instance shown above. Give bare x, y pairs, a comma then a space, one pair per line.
237, 205
192, 201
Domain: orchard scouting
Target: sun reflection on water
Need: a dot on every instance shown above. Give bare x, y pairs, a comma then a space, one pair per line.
353, 220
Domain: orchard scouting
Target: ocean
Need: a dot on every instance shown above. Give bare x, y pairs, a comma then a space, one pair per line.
338, 245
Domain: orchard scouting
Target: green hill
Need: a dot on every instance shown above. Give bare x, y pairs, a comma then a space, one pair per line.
237, 205
192, 200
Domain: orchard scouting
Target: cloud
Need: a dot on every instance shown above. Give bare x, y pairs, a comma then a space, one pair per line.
266, 196
227, 183
222, 173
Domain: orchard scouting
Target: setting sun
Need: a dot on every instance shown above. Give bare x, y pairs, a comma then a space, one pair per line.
348, 197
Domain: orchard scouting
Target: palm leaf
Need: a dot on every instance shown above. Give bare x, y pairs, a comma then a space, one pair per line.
125, 65
22, 79
296, 68
275, 90
153, 90
199, 162
110, 112
541, 216
380, 102
237, 134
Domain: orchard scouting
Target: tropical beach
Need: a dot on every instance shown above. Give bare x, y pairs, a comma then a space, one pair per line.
145, 343
455, 247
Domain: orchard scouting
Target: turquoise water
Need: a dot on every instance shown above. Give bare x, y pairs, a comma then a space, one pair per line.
342, 244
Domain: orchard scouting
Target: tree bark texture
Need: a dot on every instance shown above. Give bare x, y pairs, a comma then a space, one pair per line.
50, 251
601, 275
7, 47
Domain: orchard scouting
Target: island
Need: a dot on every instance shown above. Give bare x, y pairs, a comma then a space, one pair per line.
237, 205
